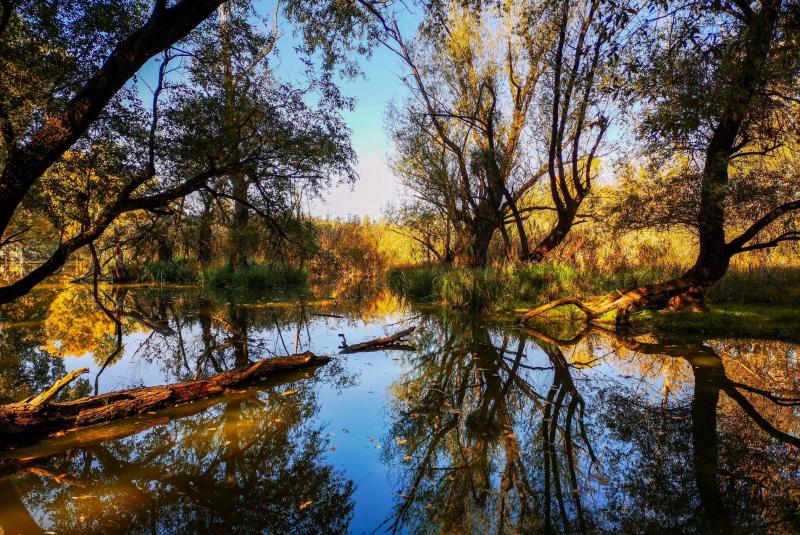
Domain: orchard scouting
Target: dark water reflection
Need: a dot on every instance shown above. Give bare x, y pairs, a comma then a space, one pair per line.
481, 428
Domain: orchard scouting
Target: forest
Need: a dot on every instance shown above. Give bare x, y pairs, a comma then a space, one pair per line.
572, 176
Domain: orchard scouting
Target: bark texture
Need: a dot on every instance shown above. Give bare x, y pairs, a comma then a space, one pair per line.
38, 417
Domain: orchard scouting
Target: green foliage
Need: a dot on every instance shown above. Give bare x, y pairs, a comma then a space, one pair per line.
174, 271
773, 285
470, 288
253, 277
416, 283
466, 288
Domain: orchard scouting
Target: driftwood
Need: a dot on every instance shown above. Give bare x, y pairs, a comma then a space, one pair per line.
27, 457
37, 417
394, 341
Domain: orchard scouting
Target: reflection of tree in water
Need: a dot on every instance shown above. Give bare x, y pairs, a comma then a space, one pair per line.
474, 415
242, 466
25, 367
490, 437
718, 442
249, 464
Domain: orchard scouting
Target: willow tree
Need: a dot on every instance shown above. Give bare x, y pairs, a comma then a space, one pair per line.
720, 88
237, 105
502, 96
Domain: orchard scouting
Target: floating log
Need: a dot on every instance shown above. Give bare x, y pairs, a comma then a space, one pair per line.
37, 417
394, 341
27, 457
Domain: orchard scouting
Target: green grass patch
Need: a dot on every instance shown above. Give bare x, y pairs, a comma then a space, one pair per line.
178, 271
254, 277
524, 286
773, 286
735, 321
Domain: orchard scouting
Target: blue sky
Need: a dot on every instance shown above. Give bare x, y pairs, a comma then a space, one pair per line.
379, 85
373, 91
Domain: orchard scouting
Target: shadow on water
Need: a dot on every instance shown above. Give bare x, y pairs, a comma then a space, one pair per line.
481, 428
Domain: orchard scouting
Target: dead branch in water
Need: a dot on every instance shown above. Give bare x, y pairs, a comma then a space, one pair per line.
38, 417
394, 341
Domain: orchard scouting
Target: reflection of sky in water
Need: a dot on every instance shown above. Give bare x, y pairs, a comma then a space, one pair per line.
355, 418
358, 418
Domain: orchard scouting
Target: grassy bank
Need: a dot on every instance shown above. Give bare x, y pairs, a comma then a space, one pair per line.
253, 277
734, 320
526, 286
178, 271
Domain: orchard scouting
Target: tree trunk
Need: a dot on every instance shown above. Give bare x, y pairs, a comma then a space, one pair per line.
480, 239
556, 235
239, 243
204, 240
24, 421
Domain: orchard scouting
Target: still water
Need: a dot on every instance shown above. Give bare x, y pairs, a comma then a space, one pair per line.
474, 426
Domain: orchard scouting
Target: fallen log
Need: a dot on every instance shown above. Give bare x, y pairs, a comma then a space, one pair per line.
394, 341
37, 417
30, 455
677, 294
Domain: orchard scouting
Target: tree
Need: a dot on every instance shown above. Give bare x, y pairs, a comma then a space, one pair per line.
503, 96
50, 100
79, 87
721, 89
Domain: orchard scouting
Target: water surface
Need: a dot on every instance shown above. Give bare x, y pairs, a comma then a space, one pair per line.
479, 427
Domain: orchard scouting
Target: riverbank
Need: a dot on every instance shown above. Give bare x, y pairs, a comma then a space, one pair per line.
527, 286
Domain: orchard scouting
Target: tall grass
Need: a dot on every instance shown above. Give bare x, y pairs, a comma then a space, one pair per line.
253, 277
530, 285
178, 271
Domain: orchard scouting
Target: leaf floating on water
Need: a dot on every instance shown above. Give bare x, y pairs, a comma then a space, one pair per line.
407, 458
333, 449
378, 446
305, 505
400, 440
290, 393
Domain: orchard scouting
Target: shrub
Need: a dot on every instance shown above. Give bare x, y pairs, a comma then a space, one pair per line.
414, 282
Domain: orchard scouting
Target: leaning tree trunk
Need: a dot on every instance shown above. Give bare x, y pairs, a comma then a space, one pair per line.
554, 238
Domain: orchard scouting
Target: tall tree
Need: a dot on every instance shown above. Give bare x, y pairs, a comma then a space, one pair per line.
81, 98
720, 87
503, 96
89, 64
